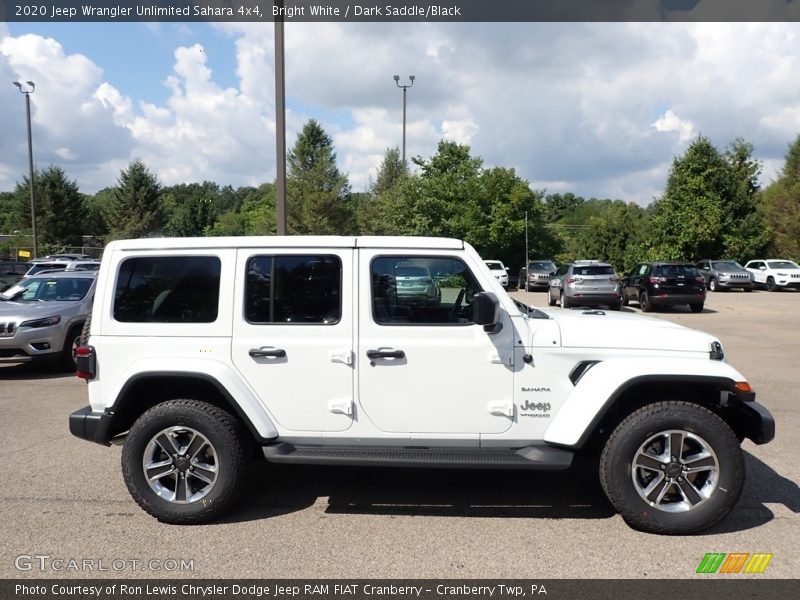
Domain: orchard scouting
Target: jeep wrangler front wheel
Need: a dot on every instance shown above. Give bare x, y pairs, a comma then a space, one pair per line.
672, 468
184, 461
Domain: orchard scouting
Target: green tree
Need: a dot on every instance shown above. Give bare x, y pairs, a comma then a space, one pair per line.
61, 218
707, 209
133, 210
316, 190
780, 203
371, 211
611, 234
190, 209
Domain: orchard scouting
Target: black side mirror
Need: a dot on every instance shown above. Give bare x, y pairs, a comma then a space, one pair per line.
486, 311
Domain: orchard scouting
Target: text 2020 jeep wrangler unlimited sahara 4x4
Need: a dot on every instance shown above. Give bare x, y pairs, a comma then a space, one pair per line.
316, 350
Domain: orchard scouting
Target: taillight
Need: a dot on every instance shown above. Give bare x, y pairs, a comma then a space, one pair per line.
85, 362
700, 279
614, 279
574, 279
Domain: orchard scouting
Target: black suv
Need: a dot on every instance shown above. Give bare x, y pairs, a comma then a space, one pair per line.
664, 284
11, 271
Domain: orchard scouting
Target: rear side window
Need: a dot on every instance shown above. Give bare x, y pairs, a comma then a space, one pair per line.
593, 270
168, 289
294, 289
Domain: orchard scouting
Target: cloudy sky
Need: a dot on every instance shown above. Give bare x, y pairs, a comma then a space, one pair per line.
596, 109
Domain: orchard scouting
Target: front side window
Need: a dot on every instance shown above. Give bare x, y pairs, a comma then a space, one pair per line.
422, 290
294, 289
168, 289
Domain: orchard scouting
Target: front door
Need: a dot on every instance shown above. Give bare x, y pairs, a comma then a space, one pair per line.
293, 335
423, 365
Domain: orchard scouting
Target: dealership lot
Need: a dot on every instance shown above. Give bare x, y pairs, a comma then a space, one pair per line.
64, 499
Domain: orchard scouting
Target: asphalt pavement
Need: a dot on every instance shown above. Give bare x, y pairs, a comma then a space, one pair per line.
64, 499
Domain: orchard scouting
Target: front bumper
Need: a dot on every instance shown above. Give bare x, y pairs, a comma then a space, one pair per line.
736, 283
750, 419
91, 426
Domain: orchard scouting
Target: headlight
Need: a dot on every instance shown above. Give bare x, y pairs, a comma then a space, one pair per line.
781, 274
717, 353
37, 323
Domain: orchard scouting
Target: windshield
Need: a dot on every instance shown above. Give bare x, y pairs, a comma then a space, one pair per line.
542, 266
495, 265
721, 265
782, 264
59, 290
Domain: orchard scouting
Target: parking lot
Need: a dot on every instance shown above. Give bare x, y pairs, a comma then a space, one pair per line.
64, 498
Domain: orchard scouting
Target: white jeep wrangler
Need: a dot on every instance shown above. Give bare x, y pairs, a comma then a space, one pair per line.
205, 353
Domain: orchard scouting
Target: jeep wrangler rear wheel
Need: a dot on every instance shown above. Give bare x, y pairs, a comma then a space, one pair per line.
672, 468
184, 461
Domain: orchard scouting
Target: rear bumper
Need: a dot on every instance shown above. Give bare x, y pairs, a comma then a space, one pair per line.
90, 426
673, 299
589, 299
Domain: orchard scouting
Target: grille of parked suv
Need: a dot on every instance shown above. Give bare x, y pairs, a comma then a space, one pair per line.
7, 329
739, 276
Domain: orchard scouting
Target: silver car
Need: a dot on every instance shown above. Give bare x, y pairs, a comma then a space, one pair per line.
42, 316
416, 285
725, 274
585, 283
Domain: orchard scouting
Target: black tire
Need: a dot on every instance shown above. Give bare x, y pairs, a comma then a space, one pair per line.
86, 331
229, 441
748, 289
771, 287
624, 299
71, 341
564, 302
616, 306
550, 300
696, 308
712, 285
644, 302
617, 475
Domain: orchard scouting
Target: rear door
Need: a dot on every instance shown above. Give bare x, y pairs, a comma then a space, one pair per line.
293, 334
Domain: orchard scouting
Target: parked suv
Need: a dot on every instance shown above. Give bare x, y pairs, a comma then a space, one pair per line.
536, 275
11, 271
584, 283
499, 270
203, 352
664, 284
725, 274
41, 317
775, 274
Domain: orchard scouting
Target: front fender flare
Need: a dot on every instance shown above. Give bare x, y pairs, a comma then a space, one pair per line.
600, 386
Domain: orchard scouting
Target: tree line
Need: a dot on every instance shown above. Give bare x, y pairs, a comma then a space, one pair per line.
712, 206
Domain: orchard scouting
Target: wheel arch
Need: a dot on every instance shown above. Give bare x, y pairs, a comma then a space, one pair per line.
142, 391
596, 407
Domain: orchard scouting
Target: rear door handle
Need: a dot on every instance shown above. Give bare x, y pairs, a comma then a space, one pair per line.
385, 354
267, 352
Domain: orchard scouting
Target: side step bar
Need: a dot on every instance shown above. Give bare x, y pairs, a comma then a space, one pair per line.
530, 457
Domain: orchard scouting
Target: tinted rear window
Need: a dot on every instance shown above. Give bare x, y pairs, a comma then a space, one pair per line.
675, 270
168, 289
593, 270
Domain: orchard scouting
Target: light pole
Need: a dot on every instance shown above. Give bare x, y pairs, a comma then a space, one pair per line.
404, 88
280, 124
30, 160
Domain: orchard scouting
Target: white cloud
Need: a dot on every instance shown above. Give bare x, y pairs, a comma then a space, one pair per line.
598, 109
672, 123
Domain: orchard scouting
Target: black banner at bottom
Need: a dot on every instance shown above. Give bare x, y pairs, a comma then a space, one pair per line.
704, 587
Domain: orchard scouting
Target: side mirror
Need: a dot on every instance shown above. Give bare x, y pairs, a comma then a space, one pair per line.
486, 311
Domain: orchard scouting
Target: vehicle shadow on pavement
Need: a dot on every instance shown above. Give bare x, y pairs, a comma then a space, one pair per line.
31, 371
572, 494
762, 486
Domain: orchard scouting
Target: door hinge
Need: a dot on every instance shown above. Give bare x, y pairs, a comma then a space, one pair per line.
501, 409
342, 356
341, 407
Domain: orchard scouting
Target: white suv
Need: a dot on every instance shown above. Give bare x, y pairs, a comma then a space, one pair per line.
775, 274
499, 270
204, 350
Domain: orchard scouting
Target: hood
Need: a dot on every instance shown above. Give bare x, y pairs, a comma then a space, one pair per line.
32, 310
627, 332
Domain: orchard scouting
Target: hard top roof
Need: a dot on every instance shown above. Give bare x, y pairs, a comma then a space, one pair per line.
293, 241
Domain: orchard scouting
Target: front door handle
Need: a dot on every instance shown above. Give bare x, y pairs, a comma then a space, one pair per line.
385, 354
267, 352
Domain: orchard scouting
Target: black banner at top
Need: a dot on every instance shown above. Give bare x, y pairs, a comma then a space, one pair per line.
399, 10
